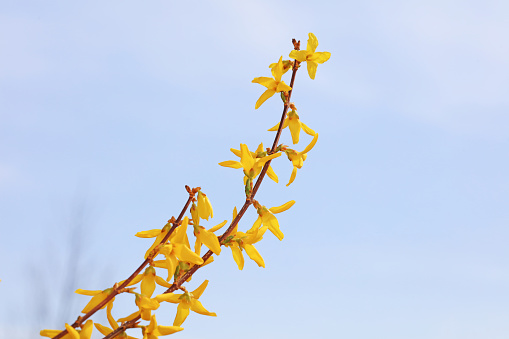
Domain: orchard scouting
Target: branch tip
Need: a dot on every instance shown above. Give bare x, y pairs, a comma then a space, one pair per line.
296, 44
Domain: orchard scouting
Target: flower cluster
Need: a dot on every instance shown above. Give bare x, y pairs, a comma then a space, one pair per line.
170, 261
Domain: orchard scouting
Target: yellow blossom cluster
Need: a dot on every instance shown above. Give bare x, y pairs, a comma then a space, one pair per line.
170, 261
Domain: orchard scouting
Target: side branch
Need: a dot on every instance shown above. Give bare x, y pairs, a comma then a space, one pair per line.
117, 289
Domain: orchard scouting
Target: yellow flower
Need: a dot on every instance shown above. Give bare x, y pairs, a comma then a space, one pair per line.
204, 206
177, 249
157, 233
106, 330
238, 241
251, 163
72, 333
310, 56
258, 155
266, 217
146, 306
148, 279
207, 237
186, 301
287, 65
293, 122
153, 331
273, 85
204, 236
97, 298
297, 158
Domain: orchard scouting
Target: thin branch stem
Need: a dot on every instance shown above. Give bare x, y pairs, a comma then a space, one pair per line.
249, 200
126, 282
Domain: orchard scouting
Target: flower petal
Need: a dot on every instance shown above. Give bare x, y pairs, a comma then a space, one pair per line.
294, 126
148, 284
267, 94
256, 236
246, 158
197, 307
253, 254
182, 313
237, 256
87, 292
209, 239
263, 160
311, 145
147, 303
169, 297
156, 243
128, 318
200, 289
231, 163
270, 220
86, 330
274, 129
209, 208
161, 282
166, 330
96, 300
148, 234
180, 234
308, 130
299, 55
145, 314
103, 329
282, 87
277, 70
204, 206
256, 225
72, 332
272, 174
282, 208
312, 69
185, 254
265, 81
111, 320
153, 324
319, 57
197, 246
292, 177
218, 226
312, 43
51, 333
236, 152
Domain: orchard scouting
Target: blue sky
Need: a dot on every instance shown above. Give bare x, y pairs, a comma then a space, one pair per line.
107, 109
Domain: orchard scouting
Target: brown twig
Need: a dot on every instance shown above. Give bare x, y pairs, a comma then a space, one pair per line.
118, 289
249, 200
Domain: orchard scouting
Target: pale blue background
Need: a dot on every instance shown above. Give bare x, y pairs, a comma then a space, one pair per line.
400, 230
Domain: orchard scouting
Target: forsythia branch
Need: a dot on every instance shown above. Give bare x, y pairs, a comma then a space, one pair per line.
206, 256
173, 243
